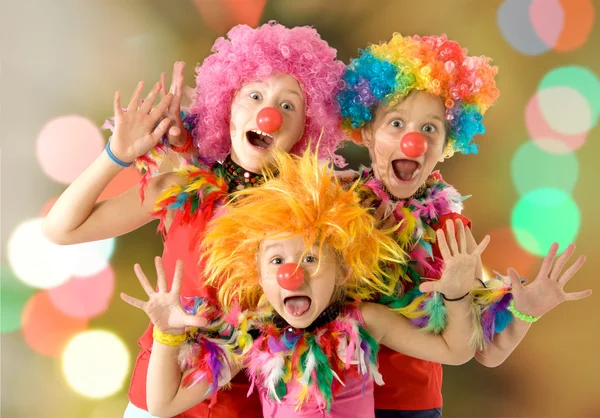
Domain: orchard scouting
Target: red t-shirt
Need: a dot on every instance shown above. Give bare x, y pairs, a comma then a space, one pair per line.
411, 384
180, 245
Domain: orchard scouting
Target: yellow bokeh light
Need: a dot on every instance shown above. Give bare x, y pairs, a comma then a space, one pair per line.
96, 363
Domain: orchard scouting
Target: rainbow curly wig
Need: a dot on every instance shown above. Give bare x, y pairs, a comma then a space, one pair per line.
385, 73
304, 198
248, 54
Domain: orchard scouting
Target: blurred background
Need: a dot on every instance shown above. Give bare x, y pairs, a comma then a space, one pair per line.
68, 342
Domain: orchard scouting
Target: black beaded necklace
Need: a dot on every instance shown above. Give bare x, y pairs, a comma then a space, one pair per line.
238, 178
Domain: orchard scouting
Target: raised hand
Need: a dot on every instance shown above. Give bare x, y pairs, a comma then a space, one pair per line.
136, 131
546, 291
163, 306
177, 134
460, 263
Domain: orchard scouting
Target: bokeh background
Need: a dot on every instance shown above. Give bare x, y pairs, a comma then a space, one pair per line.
67, 341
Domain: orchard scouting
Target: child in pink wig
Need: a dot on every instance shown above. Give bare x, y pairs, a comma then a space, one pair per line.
261, 89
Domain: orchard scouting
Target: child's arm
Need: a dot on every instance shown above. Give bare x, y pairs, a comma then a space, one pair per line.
165, 396
164, 392
541, 296
453, 345
76, 217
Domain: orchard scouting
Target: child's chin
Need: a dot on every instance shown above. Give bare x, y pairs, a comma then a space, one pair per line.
303, 321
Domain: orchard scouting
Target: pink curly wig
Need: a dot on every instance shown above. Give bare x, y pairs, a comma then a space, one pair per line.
248, 54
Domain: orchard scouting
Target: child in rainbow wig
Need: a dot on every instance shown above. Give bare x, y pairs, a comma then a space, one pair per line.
292, 260
414, 101
260, 90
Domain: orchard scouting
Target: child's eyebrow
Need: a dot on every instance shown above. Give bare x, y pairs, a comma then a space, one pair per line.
275, 245
435, 117
394, 110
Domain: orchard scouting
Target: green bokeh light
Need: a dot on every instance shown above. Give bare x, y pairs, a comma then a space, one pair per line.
580, 79
544, 216
13, 298
532, 168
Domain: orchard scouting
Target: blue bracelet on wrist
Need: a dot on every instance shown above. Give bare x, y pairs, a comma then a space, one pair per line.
114, 158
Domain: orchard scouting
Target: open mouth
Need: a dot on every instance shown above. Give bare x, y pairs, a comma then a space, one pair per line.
259, 139
297, 305
406, 170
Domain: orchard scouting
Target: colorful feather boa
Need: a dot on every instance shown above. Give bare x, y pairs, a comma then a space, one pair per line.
418, 216
293, 364
204, 189
207, 353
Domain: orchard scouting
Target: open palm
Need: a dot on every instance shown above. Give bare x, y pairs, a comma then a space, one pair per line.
547, 290
163, 306
459, 262
136, 131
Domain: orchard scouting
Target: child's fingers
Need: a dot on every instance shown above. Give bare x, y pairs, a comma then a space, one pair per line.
451, 237
146, 106
443, 245
560, 263
578, 295
161, 277
117, 104
515, 280
160, 129
572, 270
135, 99
482, 246
163, 83
176, 288
178, 82
462, 239
143, 280
428, 287
161, 108
132, 301
548, 260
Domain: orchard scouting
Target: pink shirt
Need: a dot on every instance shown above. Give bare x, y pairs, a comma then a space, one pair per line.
350, 402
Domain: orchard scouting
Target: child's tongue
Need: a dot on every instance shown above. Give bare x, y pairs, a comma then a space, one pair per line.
297, 305
404, 169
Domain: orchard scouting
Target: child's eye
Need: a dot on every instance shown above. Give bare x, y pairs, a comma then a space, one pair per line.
255, 96
309, 259
277, 260
397, 123
287, 106
429, 128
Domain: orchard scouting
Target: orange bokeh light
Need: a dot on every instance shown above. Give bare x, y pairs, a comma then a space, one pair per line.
46, 329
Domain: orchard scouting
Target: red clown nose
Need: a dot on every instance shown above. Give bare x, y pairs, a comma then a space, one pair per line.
290, 276
413, 144
269, 120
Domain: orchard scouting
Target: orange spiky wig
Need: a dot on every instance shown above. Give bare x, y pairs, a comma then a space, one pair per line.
304, 197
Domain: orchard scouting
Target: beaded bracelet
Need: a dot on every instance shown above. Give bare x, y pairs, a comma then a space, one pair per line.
168, 339
523, 317
114, 158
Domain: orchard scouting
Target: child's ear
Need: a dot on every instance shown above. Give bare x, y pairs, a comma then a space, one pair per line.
343, 276
368, 136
